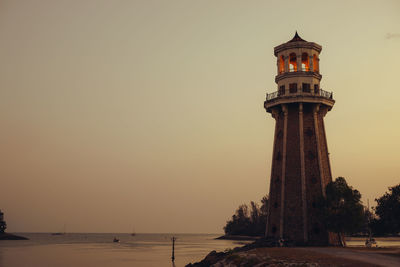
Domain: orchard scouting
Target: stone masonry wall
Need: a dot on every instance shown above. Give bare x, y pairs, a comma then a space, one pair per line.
293, 210
316, 230
293, 215
276, 179
324, 149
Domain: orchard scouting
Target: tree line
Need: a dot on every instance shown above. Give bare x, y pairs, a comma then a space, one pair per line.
341, 210
248, 220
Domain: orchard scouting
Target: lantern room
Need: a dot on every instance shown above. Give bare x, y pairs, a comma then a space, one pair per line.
298, 67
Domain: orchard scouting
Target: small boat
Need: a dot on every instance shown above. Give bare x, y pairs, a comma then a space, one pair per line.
116, 240
60, 233
371, 243
133, 232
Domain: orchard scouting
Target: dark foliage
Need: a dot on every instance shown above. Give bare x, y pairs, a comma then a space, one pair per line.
388, 212
250, 221
3, 225
341, 209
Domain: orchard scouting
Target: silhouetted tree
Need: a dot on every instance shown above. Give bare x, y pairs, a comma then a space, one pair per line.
3, 225
388, 212
264, 205
377, 227
368, 218
248, 221
263, 216
239, 224
341, 209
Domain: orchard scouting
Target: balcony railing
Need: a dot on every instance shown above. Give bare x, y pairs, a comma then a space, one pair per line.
272, 95
320, 92
326, 94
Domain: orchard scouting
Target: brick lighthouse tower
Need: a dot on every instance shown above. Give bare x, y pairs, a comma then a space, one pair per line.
300, 160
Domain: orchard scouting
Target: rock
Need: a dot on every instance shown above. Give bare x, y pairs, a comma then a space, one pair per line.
7, 236
225, 258
212, 258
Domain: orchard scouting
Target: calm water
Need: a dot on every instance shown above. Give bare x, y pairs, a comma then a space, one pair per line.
85, 250
142, 250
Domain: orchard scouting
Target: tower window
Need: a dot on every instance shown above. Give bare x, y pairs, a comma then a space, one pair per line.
305, 64
316, 89
313, 180
281, 65
278, 156
316, 63
281, 90
306, 87
310, 155
293, 88
292, 62
313, 204
309, 132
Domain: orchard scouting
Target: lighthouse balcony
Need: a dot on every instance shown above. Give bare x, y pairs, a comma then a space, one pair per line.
301, 91
304, 95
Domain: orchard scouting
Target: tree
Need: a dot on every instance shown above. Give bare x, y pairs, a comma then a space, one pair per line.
388, 211
254, 218
3, 225
240, 222
264, 206
341, 209
249, 221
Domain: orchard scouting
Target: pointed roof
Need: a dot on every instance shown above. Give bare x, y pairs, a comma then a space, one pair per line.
297, 38
297, 42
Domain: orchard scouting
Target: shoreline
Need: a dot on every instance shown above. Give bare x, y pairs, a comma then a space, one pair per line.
238, 237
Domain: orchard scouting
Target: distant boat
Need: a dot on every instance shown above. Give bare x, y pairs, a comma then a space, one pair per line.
60, 233
116, 240
133, 232
371, 243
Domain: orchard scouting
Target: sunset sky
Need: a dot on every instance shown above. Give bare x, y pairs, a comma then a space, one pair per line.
149, 113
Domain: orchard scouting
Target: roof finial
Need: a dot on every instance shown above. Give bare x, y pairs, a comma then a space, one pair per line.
297, 38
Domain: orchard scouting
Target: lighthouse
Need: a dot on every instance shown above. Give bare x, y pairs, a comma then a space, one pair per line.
300, 159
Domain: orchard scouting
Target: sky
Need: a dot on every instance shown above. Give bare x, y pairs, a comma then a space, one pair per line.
148, 114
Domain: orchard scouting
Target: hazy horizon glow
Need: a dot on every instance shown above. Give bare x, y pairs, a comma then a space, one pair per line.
149, 114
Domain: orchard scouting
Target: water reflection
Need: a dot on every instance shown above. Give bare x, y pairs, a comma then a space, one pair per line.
81, 250
145, 250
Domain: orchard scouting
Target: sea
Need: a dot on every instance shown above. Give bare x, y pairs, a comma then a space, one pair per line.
99, 250
141, 250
